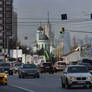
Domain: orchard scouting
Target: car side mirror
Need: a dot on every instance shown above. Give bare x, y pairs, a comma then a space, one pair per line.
90, 72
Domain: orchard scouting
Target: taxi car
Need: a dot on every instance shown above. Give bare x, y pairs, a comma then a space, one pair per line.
3, 77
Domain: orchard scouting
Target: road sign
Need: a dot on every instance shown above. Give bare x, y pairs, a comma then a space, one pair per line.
91, 52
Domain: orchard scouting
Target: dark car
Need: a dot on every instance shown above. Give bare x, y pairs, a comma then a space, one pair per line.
88, 65
46, 67
29, 70
7, 67
86, 61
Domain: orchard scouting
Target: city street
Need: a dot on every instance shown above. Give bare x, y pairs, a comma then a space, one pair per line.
9, 89
46, 83
48, 40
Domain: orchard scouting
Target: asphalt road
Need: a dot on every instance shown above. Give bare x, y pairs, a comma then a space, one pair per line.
10, 89
46, 83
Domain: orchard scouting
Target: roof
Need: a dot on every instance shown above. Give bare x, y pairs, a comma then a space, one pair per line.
40, 28
43, 37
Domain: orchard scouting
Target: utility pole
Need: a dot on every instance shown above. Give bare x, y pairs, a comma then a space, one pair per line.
4, 35
62, 31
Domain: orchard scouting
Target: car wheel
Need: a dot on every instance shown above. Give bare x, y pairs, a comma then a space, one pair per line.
38, 76
5, 84
67, 85
63, 85
19, 76
22, 76
56, 70
90, 86
34, 76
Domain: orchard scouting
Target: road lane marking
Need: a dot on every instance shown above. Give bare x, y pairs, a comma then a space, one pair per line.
25, 89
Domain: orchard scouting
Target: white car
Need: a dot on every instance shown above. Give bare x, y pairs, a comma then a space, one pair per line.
59, 65
76, 75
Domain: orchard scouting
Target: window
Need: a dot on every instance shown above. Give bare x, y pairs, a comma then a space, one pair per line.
77, 69
1, 27
1, 41
8, 27
8, 2
1, 2
1, 34
8, 15
1, 15
1, 9
1, 70
8, 21
7, 9
1, 21
29, 66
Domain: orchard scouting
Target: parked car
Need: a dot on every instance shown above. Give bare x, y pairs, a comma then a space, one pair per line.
7, 67
3, 77
76, 75
46, 67
88, 65
29, 70
59, 65
86, 61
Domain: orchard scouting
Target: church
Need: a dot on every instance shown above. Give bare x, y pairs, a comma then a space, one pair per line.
44, 39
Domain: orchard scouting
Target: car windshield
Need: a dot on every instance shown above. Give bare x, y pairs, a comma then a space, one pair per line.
5, 64
77, 69
29, 66
87, 61
86, 64
17, 64
47, 64
1, 70
61, 63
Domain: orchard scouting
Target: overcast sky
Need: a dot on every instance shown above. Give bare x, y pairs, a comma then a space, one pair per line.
37, 9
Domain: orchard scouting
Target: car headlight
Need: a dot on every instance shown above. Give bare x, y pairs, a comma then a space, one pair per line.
5, 76
71, 77
89, 77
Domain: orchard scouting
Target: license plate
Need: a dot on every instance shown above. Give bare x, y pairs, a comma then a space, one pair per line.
31, 74
81, 82
47, 67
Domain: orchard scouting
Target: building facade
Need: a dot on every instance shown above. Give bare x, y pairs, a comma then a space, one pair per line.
6, 25
13, 38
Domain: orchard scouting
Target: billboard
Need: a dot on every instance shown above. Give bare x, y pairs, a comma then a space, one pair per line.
16, 53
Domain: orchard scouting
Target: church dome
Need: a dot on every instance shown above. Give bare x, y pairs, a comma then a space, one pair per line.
40, 28
43, 37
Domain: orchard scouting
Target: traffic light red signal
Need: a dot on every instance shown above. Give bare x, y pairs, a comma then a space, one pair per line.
62, 30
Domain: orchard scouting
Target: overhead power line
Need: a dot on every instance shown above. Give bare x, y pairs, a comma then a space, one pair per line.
58, 21
79, 31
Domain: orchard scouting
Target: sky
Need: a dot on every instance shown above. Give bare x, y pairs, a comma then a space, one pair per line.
38, 9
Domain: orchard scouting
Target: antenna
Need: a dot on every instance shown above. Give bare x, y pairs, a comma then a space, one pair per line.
48, 17
40, 23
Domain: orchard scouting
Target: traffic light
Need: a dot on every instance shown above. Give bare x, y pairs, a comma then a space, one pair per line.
62, 30
63, 16
91, 16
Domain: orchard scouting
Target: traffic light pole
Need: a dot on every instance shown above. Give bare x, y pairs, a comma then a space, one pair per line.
4, 36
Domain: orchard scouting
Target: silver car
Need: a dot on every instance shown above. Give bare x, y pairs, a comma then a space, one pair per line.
76, 75
29, 70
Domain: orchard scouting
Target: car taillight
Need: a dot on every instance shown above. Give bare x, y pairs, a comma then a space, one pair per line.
52, 66
42, 66
57, 66
91, 68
